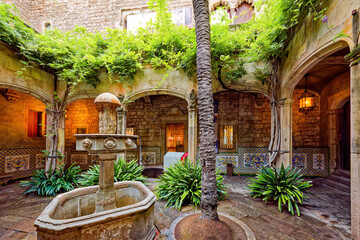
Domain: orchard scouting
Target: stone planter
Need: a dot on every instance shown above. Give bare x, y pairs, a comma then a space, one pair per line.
72, 215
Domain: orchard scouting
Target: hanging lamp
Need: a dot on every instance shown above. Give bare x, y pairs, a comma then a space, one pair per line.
307, 102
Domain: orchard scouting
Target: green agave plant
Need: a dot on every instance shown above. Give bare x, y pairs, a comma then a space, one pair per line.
123, 171
181, 185
284, 185
61, 180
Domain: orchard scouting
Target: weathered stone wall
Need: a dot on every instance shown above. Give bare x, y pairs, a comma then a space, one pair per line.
148, 115
306, 128
35, 82
249, 114
14, 121
80, 114
311, 41
92, 14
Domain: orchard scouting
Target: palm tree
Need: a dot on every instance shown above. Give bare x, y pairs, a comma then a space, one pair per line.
206, 111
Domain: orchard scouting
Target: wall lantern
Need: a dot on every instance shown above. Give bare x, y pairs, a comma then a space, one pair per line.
307, 102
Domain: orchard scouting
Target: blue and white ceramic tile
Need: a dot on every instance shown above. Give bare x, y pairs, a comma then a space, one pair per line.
299, 160
318, 161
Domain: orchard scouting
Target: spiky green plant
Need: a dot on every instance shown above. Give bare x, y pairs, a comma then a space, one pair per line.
181, 185
123, 171
284, 185
61, 180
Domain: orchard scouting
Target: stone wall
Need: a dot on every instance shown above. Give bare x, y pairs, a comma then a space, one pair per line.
92, 14
249, 113
147, 115
306, 128
14, 121
81, 114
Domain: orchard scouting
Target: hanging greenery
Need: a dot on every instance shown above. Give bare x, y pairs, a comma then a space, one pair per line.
79, 55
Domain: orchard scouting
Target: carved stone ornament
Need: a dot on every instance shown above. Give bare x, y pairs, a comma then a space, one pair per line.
110, 143
86, 143
129, 143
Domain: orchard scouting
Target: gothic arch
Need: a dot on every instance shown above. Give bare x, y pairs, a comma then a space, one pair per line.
303, 66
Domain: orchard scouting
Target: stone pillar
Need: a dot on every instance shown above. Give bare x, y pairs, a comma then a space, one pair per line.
286, 133
355, 127
121, 126
105, 196
192, 127
355, 150
121, 120
333, 137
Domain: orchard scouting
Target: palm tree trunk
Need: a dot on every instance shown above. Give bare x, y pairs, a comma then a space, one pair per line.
206, 111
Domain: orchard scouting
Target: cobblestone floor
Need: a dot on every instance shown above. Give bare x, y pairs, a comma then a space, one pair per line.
325, 215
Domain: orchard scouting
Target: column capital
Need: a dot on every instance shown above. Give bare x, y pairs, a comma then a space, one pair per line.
353, 57
192, 103
121, 109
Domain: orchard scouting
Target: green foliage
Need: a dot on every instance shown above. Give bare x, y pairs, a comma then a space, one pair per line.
285, 186
12, 29
123, 171
262, 74
181, 185
61, 180
79, 55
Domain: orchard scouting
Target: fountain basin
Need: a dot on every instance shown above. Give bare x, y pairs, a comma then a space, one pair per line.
72, 215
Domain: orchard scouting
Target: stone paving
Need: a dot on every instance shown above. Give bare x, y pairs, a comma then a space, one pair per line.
325, 215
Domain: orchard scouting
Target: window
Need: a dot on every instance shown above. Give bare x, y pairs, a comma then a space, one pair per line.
34, 124
226, 137
47, 26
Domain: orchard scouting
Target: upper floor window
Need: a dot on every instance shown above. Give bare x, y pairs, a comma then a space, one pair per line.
243, 13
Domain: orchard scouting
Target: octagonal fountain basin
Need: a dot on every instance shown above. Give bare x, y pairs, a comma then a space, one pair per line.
72, 215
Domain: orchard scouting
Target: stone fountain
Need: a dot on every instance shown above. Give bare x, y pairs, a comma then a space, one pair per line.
123, 210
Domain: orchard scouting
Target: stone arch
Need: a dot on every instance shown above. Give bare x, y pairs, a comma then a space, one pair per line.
338, 100
76, 97
306, 63
47, 100
160, 91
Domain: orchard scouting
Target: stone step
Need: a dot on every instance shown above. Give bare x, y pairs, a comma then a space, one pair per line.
343, 173
326, 182
342, 179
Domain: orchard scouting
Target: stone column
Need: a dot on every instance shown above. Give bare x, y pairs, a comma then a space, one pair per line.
192, 128
286, 133
355, 150
121, 126
121, 120
105, 196
333, 137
